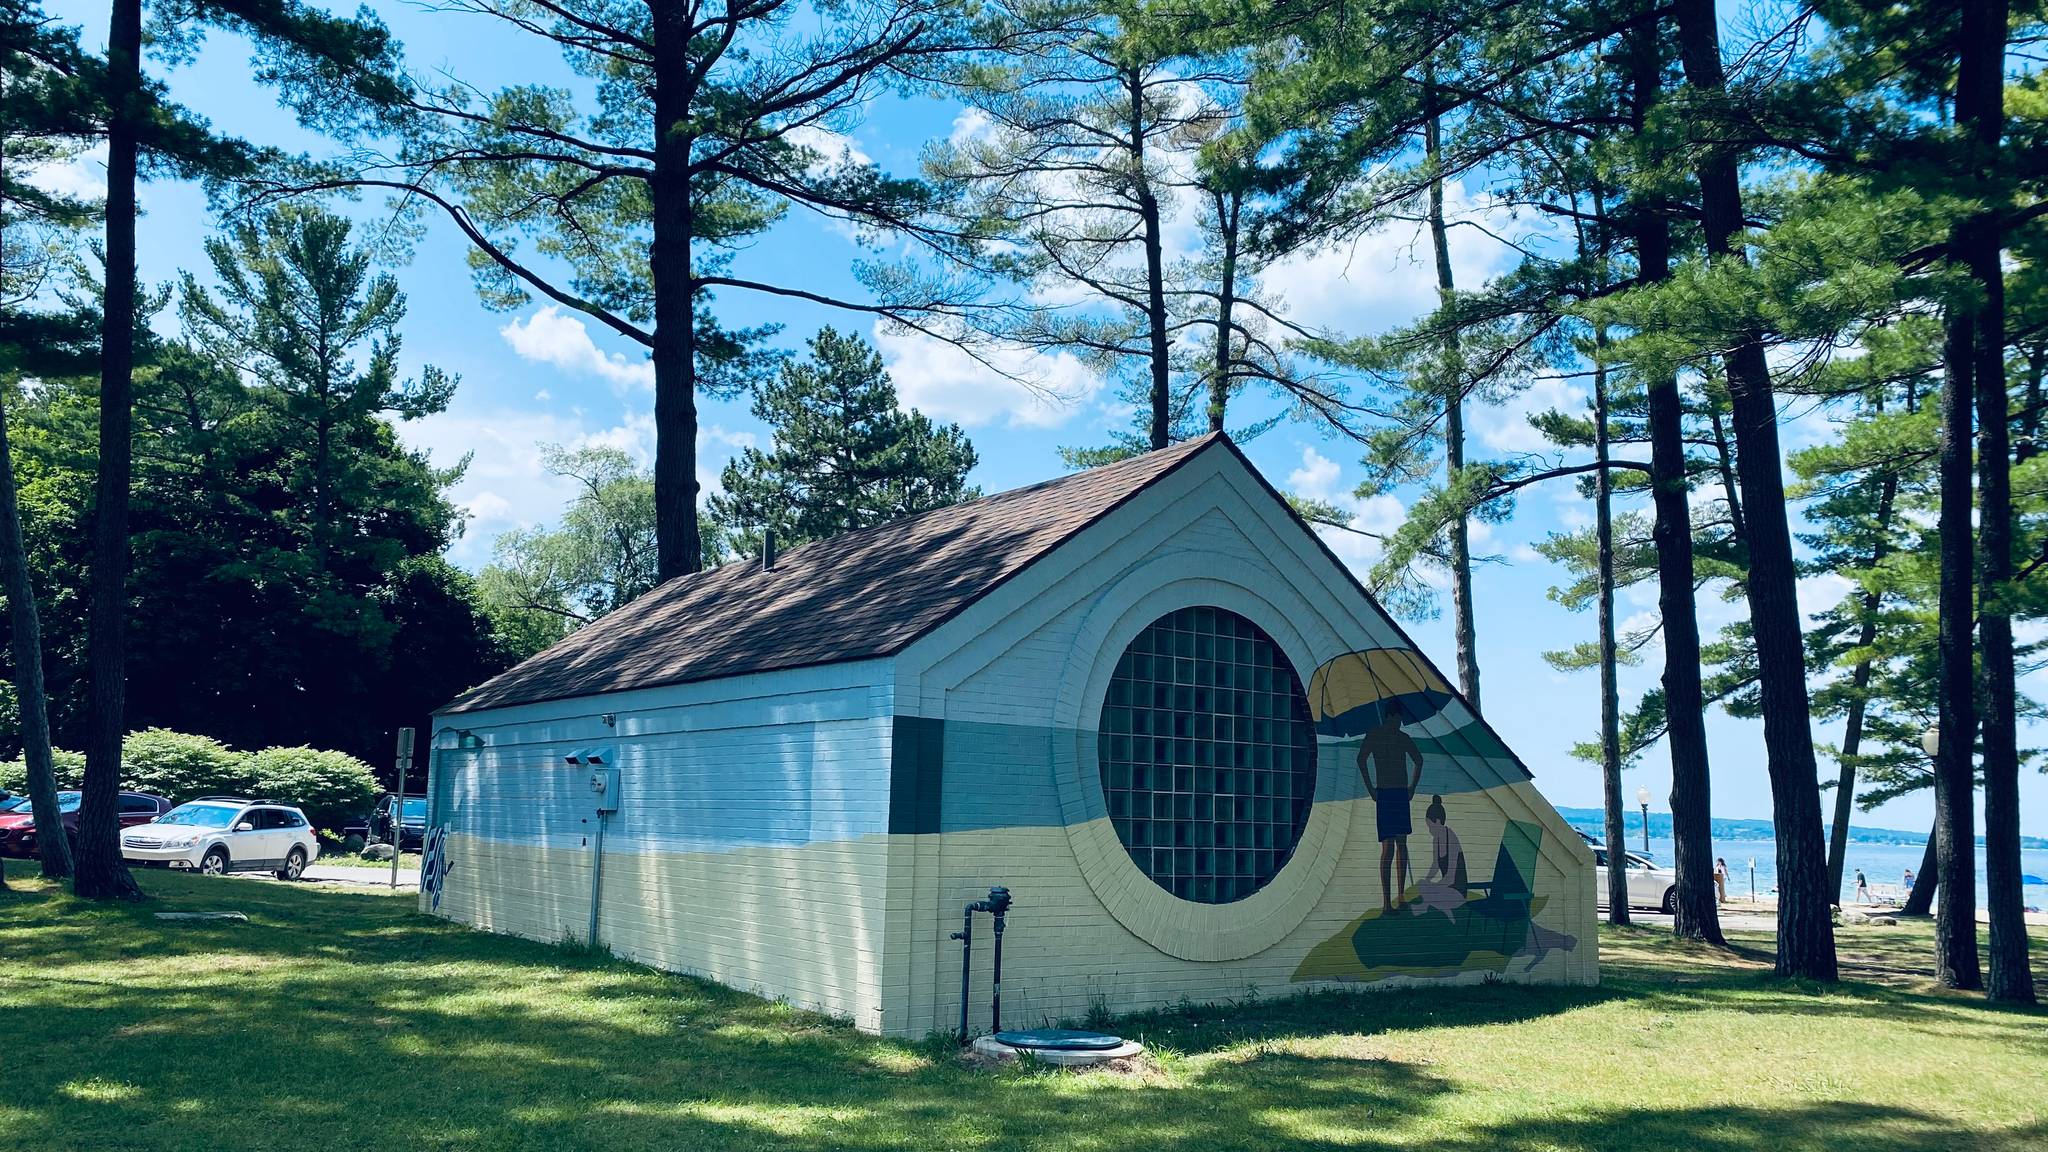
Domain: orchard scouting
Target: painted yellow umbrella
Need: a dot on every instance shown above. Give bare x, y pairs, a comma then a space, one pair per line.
1350, 695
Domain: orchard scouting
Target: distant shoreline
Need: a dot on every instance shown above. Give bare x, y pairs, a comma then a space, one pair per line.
1735, 829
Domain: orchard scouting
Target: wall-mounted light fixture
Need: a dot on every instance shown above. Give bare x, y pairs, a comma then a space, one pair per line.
463, 738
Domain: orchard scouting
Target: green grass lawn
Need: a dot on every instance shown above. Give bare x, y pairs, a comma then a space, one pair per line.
342, 1019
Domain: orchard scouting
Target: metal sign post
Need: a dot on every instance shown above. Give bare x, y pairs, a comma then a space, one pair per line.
398, 806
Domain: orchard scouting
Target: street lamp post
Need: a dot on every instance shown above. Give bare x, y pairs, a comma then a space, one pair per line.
1643, 798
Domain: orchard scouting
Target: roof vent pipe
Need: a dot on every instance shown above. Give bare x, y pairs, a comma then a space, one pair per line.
767, 549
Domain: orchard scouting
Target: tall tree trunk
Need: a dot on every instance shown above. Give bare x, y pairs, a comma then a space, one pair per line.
1725, 460
1610, 692
1955, 785
1806, 939
1161, 424
1698, 913
26, 642
678, 546
1859, 680
1980, 108
2029, 445
1921, 899
1228, 207
99, 871
32, 702
1462, 622
14, 554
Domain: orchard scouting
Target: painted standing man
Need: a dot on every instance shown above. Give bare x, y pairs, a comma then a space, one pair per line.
1383, 761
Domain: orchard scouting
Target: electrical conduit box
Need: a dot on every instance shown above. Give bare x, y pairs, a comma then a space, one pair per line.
604, 775
604, 782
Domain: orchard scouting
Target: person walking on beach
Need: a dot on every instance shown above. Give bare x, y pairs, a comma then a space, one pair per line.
1383, 761
1720, 880
1862, 888
1909, 881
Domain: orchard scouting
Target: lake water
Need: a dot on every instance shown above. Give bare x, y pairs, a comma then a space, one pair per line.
1883, 864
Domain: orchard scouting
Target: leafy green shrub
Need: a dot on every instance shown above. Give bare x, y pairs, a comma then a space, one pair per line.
182, 766
331, 787
70, 771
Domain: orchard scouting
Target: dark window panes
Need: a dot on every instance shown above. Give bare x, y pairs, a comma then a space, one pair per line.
1207, 754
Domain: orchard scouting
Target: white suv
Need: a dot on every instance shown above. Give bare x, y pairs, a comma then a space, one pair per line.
1649, 886
219, 834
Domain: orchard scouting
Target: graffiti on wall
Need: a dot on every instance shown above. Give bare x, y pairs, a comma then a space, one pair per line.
435, 864
1435, 917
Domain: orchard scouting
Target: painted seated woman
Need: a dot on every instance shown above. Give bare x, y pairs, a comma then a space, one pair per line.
1443, 885
1484, 926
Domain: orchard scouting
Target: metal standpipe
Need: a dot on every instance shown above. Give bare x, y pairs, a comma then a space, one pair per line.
596, 878
604, 783
997, 904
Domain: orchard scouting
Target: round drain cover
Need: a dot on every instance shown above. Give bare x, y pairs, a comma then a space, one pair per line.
1061, 1040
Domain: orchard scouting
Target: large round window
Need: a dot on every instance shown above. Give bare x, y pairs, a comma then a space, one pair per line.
1208, 755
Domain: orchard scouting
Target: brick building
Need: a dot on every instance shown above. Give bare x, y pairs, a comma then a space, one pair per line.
1144, 697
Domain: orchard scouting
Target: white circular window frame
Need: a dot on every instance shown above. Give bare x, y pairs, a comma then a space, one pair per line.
1187, 929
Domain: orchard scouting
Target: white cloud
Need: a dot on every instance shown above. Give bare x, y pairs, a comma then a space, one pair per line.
835, 150
1019, 387
83, 176
1822, 591
969, 124
507, 486
720, 434
1505, 427
1640, 622
1387, 277
1317, 477
551, 336
1357, 543
488, 507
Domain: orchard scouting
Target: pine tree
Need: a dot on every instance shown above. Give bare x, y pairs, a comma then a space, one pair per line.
45, 109
844, 455
1805, 932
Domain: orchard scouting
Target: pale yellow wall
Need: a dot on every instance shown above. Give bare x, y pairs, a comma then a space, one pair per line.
793, 924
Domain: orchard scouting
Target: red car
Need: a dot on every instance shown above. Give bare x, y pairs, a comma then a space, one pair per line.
18, 820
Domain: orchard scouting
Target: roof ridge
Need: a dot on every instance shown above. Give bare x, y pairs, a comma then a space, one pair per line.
795, 550
867, 592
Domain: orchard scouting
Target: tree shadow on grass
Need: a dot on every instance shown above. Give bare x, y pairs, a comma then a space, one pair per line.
1833, 1126
338, 1020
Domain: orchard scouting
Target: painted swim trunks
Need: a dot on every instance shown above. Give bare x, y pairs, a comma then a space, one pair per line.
1394, 817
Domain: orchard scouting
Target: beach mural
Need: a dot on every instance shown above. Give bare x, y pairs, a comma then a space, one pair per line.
1436, 917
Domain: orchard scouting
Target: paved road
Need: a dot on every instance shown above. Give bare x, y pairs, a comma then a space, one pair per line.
346, 876
371, 877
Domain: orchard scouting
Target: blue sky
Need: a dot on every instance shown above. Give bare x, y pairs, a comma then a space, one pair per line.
540, 375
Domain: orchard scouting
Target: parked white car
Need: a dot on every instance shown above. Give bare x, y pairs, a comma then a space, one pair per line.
220, 834
1649, 886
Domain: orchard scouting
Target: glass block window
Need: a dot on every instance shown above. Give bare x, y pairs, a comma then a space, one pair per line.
1208, 755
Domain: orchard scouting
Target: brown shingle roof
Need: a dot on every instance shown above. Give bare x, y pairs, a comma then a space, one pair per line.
855, 596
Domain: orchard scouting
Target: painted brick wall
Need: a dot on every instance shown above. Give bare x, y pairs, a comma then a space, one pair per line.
750, 846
